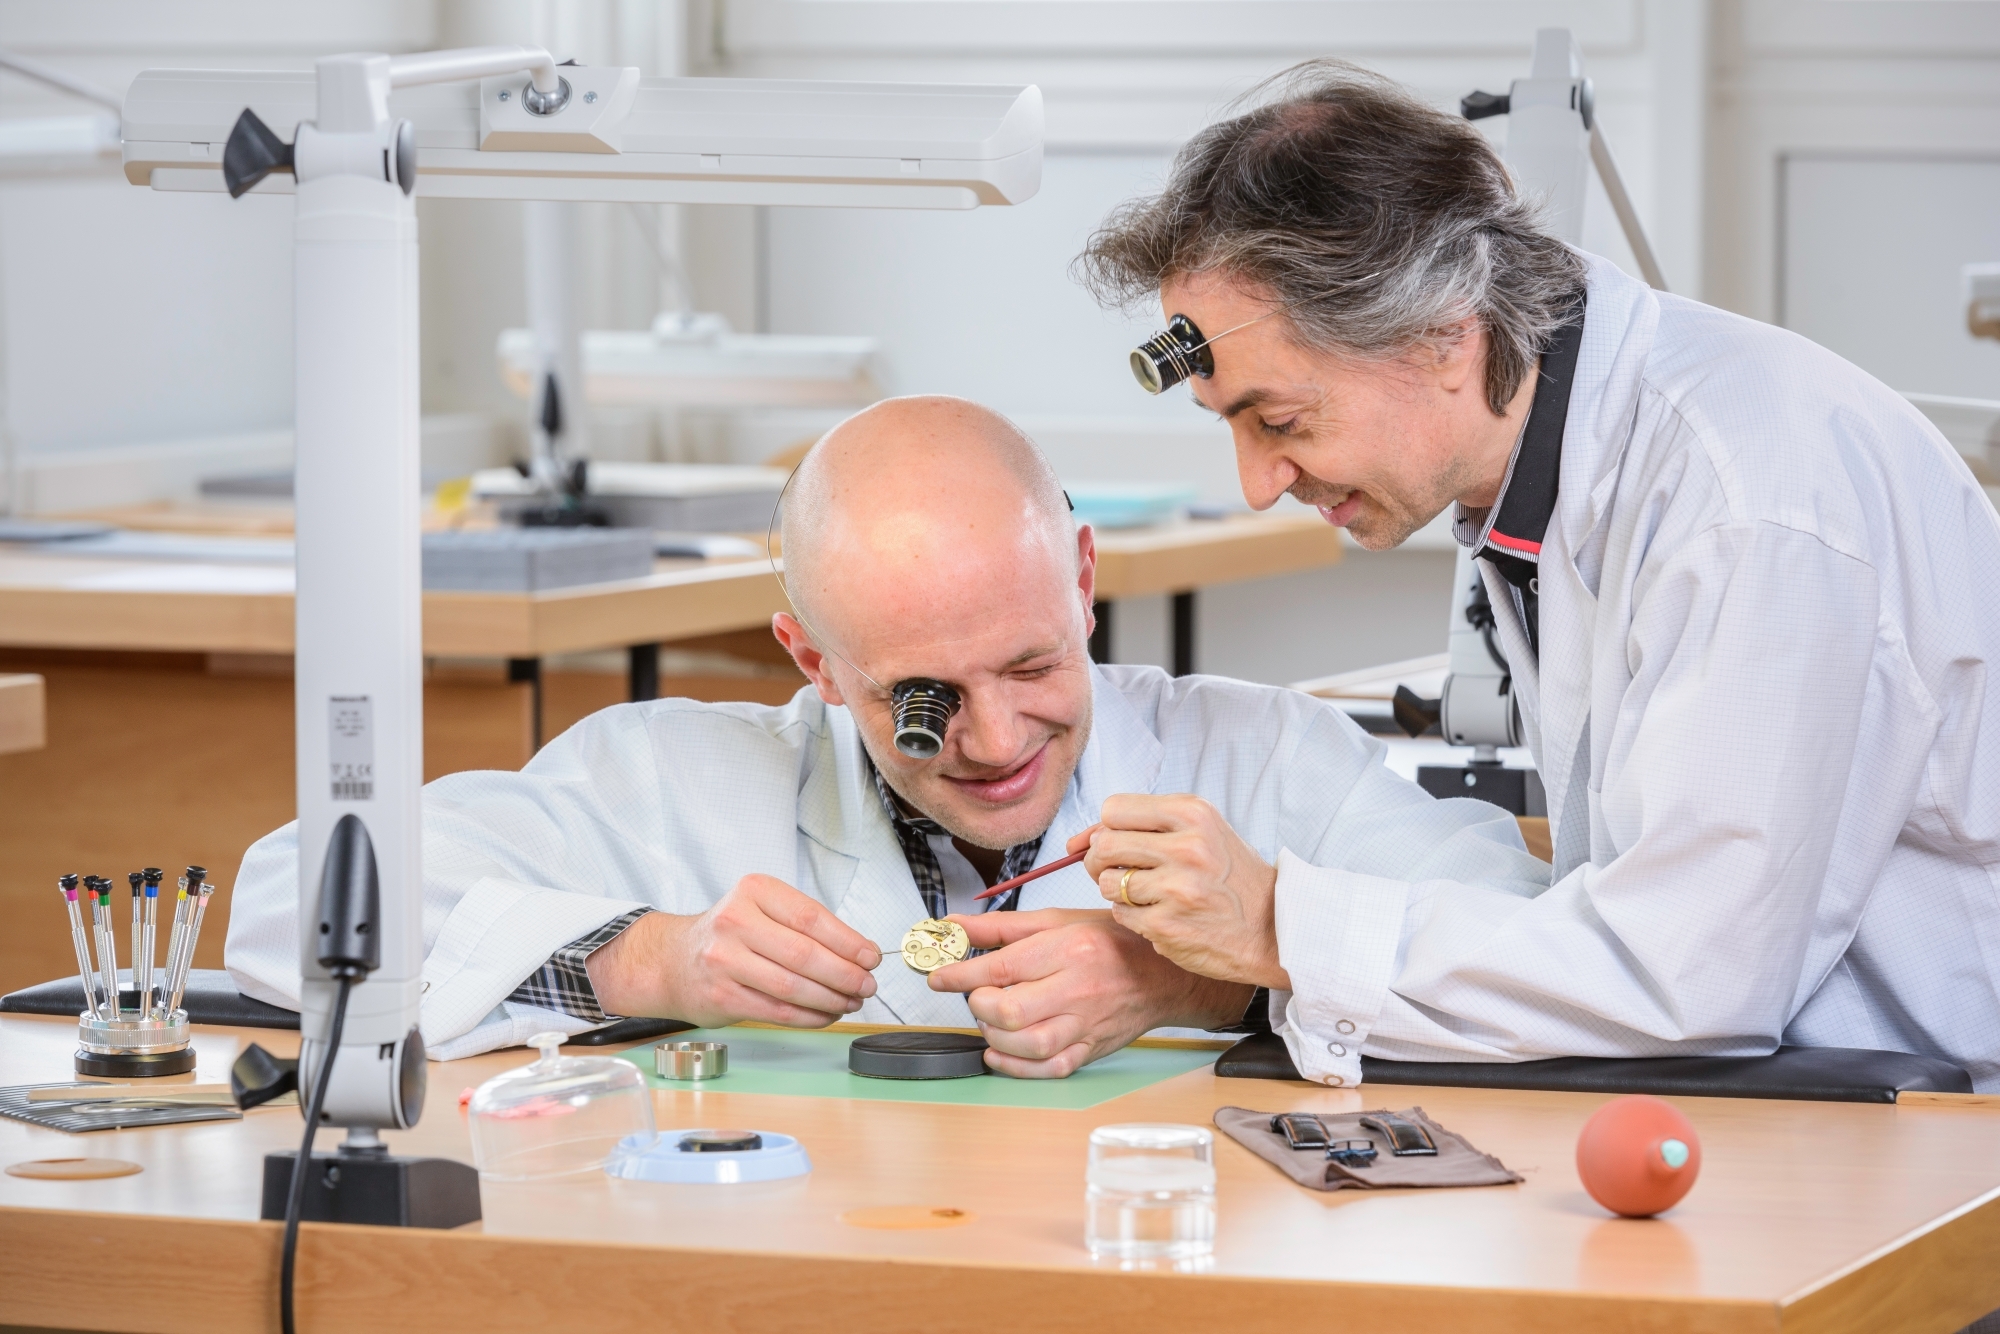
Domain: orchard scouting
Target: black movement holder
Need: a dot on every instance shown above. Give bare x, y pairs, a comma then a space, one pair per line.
917, 1055
361, 1182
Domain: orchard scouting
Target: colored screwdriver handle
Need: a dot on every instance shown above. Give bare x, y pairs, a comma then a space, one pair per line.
137, 879
107, 944
84, 972
174, 941
180, 977
147, 944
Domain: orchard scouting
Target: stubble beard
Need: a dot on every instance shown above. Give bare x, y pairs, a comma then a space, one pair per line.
1386, 520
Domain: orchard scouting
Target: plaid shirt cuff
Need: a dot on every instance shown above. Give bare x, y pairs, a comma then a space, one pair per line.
563, 983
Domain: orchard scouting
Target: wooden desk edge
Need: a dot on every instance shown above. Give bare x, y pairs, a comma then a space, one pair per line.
392, 1279
1970, 1101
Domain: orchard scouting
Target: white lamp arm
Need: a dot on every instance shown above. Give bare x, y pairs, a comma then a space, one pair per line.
475, 62
1621, 204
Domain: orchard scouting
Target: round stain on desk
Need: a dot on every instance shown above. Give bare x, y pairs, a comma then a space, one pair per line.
907, 1217
73, 1169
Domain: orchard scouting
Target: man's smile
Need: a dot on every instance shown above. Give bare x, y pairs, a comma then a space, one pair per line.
1008, 787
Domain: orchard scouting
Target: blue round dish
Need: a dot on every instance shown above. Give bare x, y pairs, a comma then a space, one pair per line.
661, 1158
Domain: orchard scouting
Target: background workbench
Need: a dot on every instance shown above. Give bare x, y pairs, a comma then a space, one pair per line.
1821, 1218
169, 693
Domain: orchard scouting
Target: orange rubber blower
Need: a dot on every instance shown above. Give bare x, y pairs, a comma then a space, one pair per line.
1638, 1156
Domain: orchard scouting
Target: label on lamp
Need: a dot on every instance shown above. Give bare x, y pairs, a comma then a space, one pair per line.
350, 746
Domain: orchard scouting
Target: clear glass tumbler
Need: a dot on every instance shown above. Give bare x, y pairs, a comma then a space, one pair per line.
1151, 1193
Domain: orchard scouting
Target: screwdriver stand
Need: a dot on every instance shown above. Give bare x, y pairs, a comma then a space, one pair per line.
132, 1046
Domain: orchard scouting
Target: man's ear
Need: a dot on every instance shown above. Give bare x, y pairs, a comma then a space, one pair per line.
1086, 575
1459, 359
810, 660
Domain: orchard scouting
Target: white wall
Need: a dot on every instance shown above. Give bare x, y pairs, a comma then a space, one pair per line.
137, 321
132, 317
161, 323
981, 304
1799, 85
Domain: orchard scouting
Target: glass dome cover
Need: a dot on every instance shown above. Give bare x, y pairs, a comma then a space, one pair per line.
558, 1115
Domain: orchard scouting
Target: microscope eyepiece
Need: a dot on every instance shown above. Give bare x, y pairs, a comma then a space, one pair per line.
1165, 359
922, 710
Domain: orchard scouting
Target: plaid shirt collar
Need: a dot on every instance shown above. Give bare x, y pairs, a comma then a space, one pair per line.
914, 832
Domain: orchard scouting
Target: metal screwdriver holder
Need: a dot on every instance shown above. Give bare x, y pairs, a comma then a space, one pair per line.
135, 1044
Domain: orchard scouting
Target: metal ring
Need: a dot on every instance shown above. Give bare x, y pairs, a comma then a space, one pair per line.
691, 1060
1125, 887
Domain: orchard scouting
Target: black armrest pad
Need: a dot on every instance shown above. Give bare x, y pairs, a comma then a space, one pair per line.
629, 1030
1820, 1074
211, 998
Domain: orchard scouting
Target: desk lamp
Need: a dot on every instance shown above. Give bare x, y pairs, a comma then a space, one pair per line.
354, 139
1553, 140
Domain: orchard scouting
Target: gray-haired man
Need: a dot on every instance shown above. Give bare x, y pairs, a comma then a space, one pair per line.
1746, 593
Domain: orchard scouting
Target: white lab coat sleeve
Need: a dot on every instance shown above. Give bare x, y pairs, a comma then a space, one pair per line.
516, 865
492, 934
1345, 885
1723, 783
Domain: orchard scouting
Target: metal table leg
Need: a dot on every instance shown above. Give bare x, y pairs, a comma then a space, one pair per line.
1184, 633
642, 672
530, 670
1100, 638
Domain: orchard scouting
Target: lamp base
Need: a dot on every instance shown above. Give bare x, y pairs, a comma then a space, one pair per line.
381, 1189
1517, 791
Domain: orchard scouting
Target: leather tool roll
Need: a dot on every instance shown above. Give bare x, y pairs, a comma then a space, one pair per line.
1456, 1162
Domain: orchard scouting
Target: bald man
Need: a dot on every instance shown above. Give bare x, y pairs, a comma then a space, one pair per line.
722, 862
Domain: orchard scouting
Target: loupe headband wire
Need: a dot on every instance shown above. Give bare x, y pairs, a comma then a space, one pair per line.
770, 554
1280, 309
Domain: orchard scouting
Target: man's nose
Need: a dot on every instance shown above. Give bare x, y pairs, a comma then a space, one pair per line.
1264, 473
988, 733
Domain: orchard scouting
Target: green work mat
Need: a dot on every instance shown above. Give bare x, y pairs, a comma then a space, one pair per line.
808, 1064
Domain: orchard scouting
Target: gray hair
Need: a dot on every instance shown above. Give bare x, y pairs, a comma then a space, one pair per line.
1375, 222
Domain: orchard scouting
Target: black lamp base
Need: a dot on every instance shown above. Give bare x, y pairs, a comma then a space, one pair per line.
376, 1188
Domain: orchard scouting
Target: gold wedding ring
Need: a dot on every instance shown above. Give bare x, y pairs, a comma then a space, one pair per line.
1125, 887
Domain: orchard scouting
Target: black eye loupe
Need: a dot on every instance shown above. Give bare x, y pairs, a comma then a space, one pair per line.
1165, 359
923, 710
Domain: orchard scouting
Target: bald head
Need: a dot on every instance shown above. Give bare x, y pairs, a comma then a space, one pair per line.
927, 539
919, 501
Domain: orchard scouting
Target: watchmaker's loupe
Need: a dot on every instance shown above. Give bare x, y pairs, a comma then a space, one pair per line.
922, 710
1167, 358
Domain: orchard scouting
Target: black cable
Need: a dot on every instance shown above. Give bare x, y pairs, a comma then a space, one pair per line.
295, 1202
1479, 612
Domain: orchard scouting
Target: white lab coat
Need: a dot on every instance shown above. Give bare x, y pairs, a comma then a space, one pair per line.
668, 804
1768, 719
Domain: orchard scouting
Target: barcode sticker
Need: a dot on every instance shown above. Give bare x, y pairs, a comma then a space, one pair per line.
350, 746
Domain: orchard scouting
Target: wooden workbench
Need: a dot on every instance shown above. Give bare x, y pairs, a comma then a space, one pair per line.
1822, 1218
48, 600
